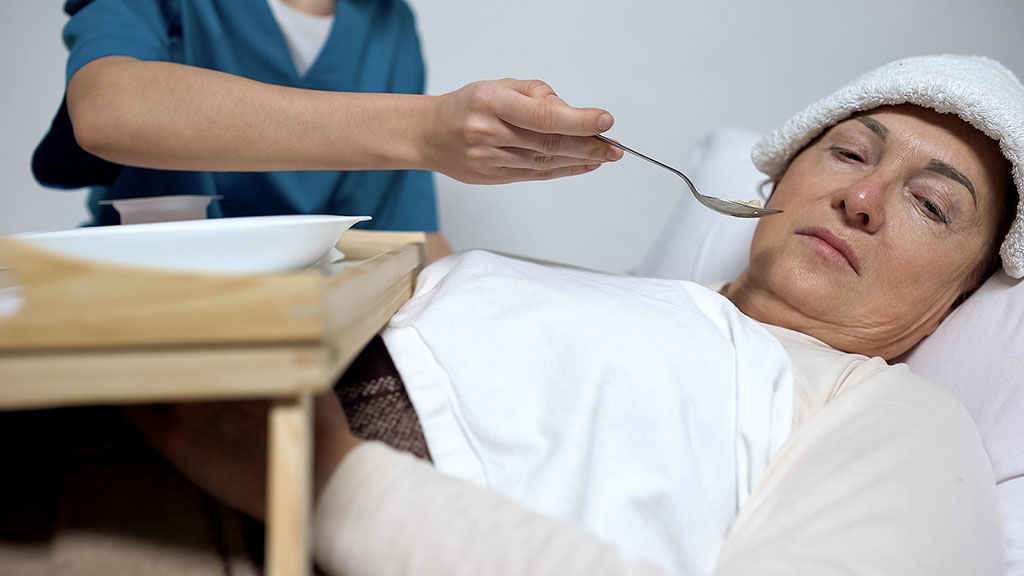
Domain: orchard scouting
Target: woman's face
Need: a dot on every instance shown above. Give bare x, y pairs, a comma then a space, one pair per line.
886, 219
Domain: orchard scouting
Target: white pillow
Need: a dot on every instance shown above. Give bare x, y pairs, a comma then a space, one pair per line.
696, 244
975, 354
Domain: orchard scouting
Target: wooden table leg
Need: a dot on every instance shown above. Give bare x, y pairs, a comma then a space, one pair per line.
290, 487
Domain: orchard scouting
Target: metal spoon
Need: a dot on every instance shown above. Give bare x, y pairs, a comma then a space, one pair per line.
729, 207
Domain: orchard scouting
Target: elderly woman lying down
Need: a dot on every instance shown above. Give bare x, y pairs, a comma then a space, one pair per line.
588, 423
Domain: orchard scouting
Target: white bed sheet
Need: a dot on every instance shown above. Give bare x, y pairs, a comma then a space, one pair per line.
643, 409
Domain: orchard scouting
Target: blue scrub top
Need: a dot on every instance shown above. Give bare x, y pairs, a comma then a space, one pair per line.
372, 47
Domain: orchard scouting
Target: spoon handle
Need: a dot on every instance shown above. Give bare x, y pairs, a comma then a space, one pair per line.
618, 144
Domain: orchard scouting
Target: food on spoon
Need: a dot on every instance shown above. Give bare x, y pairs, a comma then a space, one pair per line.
751, 203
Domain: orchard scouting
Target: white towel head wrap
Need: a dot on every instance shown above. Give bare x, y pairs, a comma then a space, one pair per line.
981, 91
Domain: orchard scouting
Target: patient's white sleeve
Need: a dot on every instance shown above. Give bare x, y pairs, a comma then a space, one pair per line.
889, 477
385, 513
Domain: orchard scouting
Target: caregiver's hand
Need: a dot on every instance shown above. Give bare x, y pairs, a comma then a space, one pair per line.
513, 130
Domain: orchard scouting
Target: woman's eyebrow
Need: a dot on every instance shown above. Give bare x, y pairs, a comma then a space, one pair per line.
940, 167
875, 126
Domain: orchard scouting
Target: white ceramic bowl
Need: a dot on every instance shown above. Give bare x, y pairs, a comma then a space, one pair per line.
252, 245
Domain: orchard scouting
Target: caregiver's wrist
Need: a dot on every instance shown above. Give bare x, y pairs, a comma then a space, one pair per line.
423, 132
368, 131
411, 121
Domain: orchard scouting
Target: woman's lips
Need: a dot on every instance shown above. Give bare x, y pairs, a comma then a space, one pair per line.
832, 244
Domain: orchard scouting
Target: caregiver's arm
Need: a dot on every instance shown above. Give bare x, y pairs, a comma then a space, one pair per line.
175, 117
385, 513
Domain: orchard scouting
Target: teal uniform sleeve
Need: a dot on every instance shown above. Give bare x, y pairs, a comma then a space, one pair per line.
98, 28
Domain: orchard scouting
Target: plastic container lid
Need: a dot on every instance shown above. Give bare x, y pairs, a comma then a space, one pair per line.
161, 208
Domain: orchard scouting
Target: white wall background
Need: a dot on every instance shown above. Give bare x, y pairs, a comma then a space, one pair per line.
670, 70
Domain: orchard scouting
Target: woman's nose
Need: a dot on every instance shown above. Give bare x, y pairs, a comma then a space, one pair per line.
863, 202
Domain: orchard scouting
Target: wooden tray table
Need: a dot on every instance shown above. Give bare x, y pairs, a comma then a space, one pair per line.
85, 333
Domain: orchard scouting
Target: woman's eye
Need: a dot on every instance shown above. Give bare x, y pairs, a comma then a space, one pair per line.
934, 211
847, 155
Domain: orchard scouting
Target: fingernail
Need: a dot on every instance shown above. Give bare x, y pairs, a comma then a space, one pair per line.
604, 122
613, 153
592, 167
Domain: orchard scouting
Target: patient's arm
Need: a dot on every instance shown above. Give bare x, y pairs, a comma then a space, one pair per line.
385, 513
890, 477
222, 446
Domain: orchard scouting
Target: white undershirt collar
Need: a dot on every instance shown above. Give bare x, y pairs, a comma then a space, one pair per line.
304, 33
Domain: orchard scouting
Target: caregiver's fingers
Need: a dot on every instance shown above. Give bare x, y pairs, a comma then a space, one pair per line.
527, 106
553, 145
538, 89
526, 174
534, 160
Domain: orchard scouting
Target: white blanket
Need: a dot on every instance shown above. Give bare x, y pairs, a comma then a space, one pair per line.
643, 409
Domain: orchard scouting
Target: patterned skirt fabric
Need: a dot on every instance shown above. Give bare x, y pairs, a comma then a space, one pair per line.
376, 403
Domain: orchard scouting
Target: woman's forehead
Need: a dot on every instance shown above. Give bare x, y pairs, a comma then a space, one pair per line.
921, 120
944, 134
